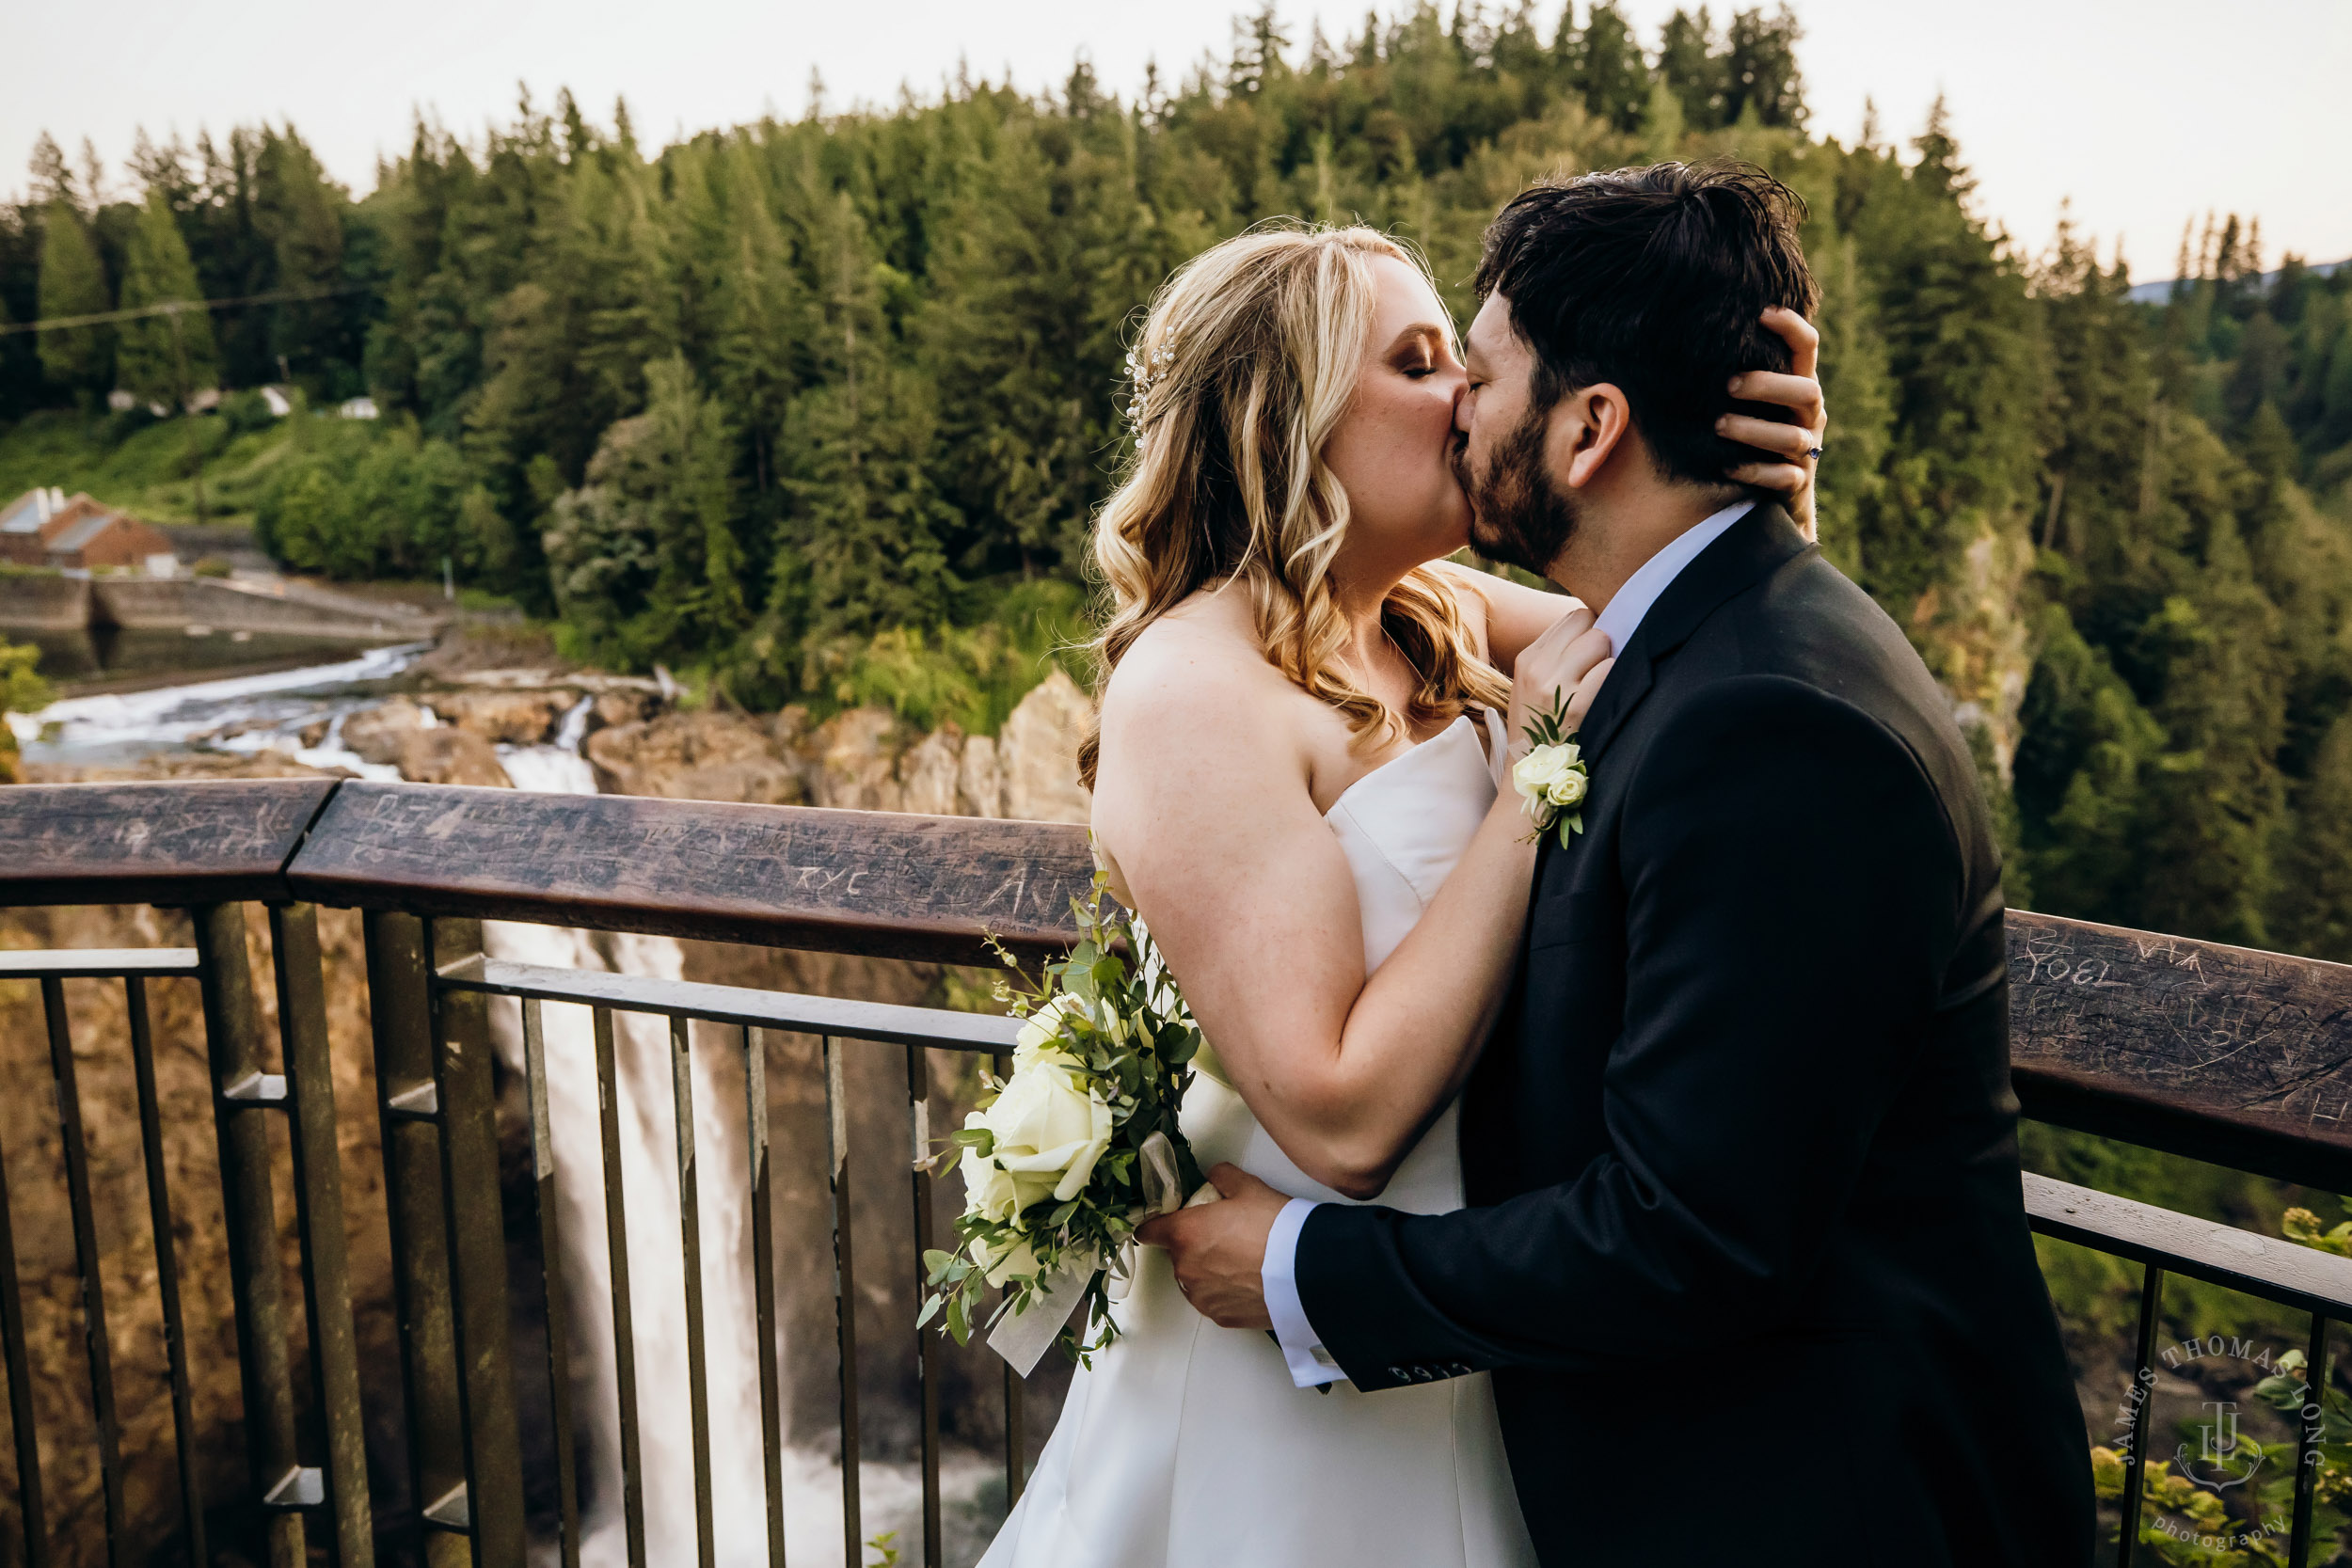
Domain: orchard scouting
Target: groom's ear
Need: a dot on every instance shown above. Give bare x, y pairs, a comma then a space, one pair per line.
1587, 427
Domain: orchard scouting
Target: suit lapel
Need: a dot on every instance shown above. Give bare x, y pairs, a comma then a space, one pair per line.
1755, 546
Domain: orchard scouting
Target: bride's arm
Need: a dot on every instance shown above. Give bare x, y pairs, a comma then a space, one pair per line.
1201, 798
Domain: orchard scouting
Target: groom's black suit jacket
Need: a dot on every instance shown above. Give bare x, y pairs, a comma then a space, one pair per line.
1747, 1254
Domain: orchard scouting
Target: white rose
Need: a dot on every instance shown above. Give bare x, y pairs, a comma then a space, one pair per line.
1534, 774
1043, 1027
989, 1190
1566, 787
1049, 1130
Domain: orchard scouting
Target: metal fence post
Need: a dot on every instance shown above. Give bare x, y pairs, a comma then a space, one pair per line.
242, 1090
319, 1215
407, 1105
476, 1233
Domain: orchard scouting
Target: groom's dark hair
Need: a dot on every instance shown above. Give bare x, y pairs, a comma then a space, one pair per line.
1653, 279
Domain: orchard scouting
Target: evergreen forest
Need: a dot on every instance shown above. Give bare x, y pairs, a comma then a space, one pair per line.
819, 408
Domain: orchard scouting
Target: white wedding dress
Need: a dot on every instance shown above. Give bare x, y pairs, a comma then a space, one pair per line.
1186, 1445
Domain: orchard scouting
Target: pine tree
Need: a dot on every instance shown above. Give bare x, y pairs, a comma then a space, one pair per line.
2082, 774
52, 176
2219, 796
1691, 66
1759, 70
764, 316
2316, 916
77, 359
298, 213
645, 556
1856, 381
1610, 71
863, 547
163, 358
2334, 426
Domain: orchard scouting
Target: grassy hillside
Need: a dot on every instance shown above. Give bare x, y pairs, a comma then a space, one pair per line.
145, 465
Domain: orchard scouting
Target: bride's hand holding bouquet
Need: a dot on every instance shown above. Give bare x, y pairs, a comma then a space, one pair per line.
1072, 1150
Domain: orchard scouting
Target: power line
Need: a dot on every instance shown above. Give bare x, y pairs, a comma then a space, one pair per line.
181, 307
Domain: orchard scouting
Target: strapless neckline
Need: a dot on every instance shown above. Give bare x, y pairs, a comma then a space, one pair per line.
1436, 743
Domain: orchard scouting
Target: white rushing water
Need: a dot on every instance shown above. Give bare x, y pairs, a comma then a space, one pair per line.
274, 712
891, 1494
269, 712
650, 1178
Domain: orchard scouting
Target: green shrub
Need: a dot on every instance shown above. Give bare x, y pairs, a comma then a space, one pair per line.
21, 691
970, 675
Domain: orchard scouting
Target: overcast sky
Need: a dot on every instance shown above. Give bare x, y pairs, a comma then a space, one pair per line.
2144, 113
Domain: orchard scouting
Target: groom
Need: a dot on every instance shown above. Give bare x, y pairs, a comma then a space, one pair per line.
1746, 1252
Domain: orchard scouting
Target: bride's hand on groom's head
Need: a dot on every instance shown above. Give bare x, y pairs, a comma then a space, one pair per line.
1794, 443
1571, 657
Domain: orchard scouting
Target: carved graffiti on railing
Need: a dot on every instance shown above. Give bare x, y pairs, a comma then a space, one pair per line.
2223, 1052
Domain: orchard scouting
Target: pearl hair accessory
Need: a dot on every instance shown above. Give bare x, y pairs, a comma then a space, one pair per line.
1145, 373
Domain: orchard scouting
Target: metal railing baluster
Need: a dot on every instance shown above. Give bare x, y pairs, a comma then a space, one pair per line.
2136, 1467
242, 1092
844, 1298
551, 1281
1016, 1423
691, 1250
98, 1347
477, 1236
319, 1220
2307, 1461
764, 1285
167, 1264
408, 1112
624, 1320
30, 1513
926, 1357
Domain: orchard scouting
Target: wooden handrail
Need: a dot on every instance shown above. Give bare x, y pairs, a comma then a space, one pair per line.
886, 883
2224, 1054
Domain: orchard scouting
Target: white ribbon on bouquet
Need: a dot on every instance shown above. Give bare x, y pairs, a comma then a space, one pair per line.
1022, 1338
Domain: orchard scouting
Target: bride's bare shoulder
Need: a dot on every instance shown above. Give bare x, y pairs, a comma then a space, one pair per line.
1193, 678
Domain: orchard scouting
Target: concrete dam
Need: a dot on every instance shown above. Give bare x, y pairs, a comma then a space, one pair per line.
92, 628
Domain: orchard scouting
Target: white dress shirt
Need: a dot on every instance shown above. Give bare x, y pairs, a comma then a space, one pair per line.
1278, 1277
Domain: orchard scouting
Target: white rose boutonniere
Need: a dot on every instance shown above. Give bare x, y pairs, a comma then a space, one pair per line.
1552, 778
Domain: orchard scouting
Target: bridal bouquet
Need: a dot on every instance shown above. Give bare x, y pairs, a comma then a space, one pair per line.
1065, 1158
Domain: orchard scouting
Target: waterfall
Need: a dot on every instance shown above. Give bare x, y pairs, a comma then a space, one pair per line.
274, 713
650, 1178
656, 1279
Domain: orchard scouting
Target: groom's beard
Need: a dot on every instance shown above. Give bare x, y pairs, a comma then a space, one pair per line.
1519, 516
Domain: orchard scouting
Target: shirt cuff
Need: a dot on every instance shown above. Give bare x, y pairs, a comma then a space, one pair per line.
1310, 1365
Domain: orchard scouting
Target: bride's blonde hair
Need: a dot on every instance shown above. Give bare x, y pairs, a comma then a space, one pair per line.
1250, 357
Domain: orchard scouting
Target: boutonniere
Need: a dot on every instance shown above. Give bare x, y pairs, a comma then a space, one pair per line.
1552, 779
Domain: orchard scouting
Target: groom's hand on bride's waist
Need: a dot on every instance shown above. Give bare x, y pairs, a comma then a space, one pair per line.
1219, 1249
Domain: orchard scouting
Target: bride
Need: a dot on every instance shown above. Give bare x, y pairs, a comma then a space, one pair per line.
1297, 785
